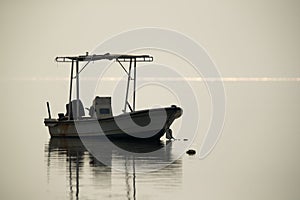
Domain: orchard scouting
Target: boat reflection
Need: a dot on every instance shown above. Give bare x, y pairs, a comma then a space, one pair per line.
86, 174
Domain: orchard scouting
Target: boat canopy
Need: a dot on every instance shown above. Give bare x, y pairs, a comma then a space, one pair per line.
107, 56
131, 59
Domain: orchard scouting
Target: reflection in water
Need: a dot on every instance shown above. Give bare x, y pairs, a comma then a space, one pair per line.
88, 178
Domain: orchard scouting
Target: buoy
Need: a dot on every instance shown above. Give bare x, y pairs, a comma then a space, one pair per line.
191, 152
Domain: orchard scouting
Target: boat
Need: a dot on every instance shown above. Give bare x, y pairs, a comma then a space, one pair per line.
133, 124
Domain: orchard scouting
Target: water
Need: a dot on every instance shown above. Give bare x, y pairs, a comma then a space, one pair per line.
86, 177
257, 156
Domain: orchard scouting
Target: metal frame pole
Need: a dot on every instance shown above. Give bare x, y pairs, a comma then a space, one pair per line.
77, 88
134, 82
128, 81
70, 94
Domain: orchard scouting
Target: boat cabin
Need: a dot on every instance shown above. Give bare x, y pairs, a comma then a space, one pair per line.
101, 108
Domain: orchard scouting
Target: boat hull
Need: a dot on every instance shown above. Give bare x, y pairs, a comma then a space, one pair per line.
109, 127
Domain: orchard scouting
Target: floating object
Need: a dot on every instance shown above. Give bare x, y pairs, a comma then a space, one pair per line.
100, 112
185, 139
191, 152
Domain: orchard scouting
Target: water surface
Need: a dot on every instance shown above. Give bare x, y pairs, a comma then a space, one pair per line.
257, 156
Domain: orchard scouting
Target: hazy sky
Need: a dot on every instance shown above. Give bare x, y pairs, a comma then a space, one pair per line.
244, 38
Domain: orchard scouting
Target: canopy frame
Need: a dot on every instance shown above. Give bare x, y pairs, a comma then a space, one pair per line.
131, 59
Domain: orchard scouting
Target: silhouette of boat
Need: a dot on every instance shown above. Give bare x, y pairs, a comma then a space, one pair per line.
149, 124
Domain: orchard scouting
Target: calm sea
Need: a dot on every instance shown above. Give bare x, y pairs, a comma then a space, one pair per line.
257, 156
